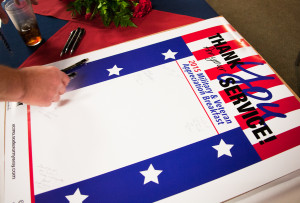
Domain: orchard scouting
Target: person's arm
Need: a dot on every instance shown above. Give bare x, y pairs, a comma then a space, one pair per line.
36, 85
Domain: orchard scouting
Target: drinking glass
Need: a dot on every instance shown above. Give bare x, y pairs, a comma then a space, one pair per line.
24, 21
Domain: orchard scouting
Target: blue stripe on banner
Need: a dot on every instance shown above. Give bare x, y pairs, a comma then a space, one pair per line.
175, 172
130, 62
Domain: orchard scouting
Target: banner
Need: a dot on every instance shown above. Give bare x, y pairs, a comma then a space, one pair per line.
190, 114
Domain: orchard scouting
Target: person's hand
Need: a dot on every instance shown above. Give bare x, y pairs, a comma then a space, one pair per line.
3, 15
42, 85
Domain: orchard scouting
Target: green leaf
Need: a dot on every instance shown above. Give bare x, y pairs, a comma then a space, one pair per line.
116, 21
131, 24
117, 11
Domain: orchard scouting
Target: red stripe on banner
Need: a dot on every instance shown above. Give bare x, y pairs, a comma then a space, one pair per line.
284, 141
285, 105
30, 156
224, 96
261, 83
197, 97
203, 53
207, 33
213, 73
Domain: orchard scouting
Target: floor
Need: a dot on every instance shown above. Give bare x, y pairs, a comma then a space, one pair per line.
272, 27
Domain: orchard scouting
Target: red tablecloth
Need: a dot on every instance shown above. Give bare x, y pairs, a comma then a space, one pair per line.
97, 36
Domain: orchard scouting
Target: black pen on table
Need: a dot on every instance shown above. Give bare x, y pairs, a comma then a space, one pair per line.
68, 43
77, 40
72, 37
5, 42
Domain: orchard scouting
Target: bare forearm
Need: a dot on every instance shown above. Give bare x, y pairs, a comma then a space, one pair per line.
11, 84
35, 85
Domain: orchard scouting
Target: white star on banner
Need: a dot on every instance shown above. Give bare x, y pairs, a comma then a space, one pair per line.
114, 70
223, 148
76, 197
169, 54
151, 175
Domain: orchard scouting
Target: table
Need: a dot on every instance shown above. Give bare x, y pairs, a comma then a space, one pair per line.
49, 31
49, 26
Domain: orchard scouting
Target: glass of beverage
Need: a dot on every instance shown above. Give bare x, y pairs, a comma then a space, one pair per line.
24, 21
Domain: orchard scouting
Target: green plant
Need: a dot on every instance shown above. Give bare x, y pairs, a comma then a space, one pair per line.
120, 12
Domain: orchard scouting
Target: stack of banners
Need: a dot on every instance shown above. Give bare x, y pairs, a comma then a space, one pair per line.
187, 115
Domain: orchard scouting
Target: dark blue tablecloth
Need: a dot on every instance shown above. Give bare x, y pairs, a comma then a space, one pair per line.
50, 25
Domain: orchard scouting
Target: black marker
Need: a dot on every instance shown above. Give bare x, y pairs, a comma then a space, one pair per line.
72, 75
77, 40
70, 68
72, 40
5, 42
68, 43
